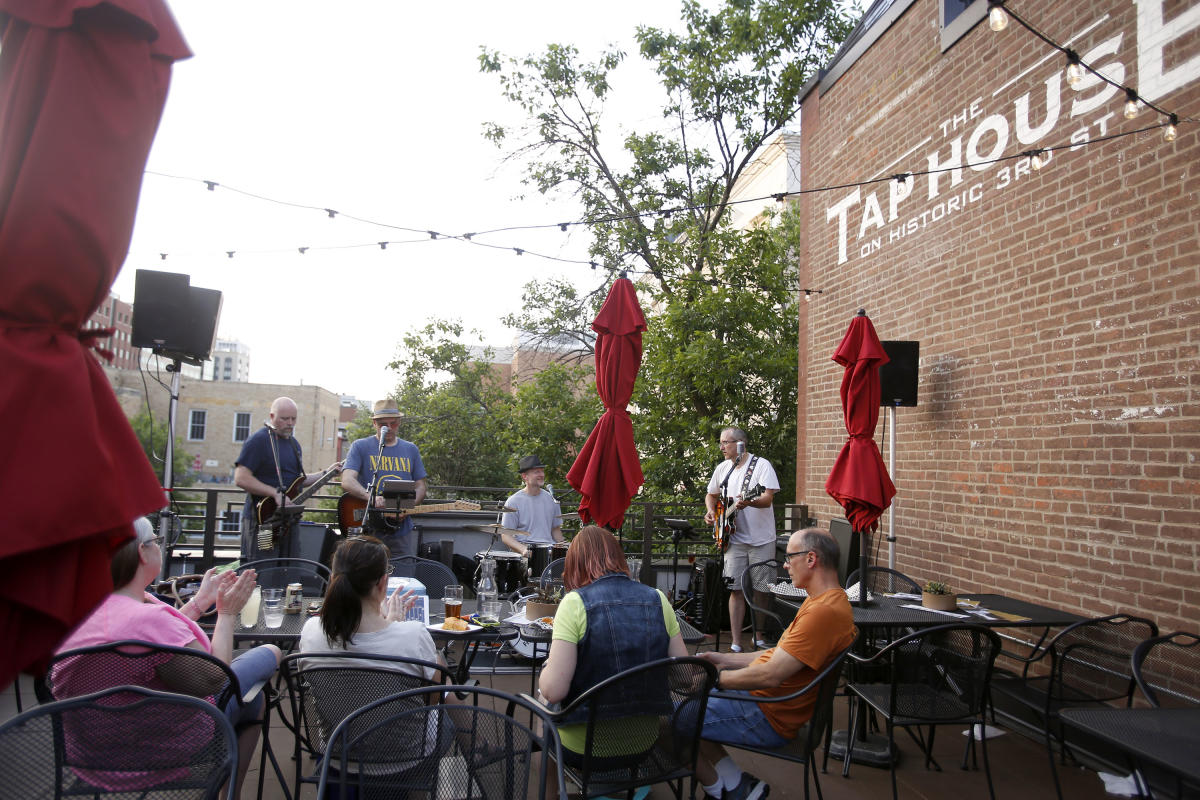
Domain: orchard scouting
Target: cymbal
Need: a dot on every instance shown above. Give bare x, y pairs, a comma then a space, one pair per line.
493, 528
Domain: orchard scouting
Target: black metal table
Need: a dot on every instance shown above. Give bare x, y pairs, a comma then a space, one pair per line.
890, 612
286, 636
471, 640
1168, 738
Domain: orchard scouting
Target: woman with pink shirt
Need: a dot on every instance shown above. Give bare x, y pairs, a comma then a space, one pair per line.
130, 612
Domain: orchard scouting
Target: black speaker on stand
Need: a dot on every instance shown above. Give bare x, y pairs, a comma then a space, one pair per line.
178, 321
897, 388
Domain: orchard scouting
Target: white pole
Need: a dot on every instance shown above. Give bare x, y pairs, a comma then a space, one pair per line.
892, 474
164, 517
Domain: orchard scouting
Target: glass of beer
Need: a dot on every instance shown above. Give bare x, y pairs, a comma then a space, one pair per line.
453, 598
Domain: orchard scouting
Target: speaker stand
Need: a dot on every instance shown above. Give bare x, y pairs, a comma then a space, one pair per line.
164, 517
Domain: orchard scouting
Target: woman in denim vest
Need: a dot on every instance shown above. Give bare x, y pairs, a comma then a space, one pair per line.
606, 624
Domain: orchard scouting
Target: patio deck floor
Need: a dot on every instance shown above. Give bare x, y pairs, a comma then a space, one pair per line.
1019, 765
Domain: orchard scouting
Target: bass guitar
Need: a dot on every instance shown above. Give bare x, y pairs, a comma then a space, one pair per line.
726, 512
351, 509
297, 493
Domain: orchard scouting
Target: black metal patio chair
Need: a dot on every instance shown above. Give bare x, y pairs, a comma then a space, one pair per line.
412, 742
1167, 670
325, 688
756, 582
125, 741
938, 676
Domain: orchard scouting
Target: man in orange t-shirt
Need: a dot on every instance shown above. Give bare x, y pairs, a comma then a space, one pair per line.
822, 628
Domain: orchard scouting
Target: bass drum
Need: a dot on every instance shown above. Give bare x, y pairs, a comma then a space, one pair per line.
510, 569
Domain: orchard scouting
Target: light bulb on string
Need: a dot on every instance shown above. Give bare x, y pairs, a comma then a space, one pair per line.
1131, 104
1169, 132
997, 18
1074, 70
1039, 159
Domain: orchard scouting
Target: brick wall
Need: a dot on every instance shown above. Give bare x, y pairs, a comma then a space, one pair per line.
1053, 453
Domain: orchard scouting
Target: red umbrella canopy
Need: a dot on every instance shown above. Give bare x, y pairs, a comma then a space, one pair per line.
859, 480
607, 472
82, 85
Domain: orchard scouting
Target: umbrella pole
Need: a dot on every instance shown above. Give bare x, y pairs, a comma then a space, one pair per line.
863, 545
892, 472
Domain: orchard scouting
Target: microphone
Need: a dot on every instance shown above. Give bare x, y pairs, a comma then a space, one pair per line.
383, 432
741, 450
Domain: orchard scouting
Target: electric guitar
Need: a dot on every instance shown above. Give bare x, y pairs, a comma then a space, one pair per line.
723, 527
267, 507
351, 510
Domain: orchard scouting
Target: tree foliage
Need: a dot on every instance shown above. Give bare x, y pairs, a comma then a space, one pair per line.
153, 437
720, 301
472, 430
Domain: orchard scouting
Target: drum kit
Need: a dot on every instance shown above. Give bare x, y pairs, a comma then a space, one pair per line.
516, 575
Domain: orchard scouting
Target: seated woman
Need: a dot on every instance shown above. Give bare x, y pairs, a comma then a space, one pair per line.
359, 617
606, 624
130, 612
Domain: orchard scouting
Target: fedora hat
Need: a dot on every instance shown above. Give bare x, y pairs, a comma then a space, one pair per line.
386, 408
530, 462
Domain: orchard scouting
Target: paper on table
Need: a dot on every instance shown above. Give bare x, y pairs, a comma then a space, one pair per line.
920, 607
1007, 617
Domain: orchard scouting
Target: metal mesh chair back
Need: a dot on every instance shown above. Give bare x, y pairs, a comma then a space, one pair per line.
1092, 661
757, 580
647, 741
411, 742
277, 573
1167, 670
882, 579
183, 670
127, 741
325, 688
435, 575
554, 571
941, 674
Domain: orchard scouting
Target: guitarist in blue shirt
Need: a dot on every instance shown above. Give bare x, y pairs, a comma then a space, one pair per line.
740, 494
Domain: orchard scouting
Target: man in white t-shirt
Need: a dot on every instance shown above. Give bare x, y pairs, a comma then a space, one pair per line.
537, 515
753, 538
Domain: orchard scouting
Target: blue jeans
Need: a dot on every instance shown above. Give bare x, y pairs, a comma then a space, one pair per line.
739, 722
251, 667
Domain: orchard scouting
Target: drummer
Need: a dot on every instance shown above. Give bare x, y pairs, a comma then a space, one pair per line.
537, 512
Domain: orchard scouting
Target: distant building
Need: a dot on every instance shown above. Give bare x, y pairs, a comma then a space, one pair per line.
116, 314
775, 170
230, 362
516, 365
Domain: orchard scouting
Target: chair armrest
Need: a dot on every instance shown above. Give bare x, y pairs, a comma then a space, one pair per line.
253, 691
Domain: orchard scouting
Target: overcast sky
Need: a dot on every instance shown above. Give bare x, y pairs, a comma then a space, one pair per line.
374, 109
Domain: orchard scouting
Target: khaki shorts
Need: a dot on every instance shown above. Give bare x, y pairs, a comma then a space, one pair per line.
739, 556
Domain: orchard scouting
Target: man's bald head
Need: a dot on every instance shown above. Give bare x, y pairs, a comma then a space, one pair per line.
283, 415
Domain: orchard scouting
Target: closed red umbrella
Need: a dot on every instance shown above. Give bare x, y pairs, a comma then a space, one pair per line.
82, 85
859, 479
607, 472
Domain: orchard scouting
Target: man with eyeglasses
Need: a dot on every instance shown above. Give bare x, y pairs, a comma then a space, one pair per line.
368, 464
822, 628
753, 538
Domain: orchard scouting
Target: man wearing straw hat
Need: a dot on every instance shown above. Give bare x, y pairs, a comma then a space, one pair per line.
367, 464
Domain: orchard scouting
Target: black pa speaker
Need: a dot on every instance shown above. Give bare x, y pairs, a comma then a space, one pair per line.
898, 377
173, 318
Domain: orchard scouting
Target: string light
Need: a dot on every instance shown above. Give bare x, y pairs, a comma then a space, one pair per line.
997, 18
1074, 70
1169, 132
1131, 103
808, 294
1038, 158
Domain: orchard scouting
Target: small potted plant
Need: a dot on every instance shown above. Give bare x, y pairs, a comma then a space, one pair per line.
937, 596
545, 602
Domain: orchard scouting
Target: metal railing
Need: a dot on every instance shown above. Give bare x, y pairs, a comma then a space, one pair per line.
205, 520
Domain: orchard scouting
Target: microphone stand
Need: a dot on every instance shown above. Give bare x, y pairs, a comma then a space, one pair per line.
374, 489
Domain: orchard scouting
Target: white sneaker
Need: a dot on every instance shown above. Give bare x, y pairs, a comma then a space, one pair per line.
735, 648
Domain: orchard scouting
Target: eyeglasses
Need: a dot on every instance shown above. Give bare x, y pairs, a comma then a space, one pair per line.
158, 540
727, 441
787, 557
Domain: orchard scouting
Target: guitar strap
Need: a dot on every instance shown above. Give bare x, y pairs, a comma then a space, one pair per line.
746, 481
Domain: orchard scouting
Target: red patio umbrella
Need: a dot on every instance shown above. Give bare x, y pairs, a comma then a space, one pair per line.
859, 479
607, 472
82, 85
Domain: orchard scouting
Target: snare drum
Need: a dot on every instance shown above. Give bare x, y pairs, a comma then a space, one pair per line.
540, 556
510, 569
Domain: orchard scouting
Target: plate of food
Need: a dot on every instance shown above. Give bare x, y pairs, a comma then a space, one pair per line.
453, 625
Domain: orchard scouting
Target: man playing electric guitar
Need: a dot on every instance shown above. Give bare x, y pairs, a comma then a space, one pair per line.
753, 536
270, 466
369, 464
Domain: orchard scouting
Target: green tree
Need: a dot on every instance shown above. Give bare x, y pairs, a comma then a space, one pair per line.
720, 348
552, 415
152, 433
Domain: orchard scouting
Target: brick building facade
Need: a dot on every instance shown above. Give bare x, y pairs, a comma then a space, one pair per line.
1053, 453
